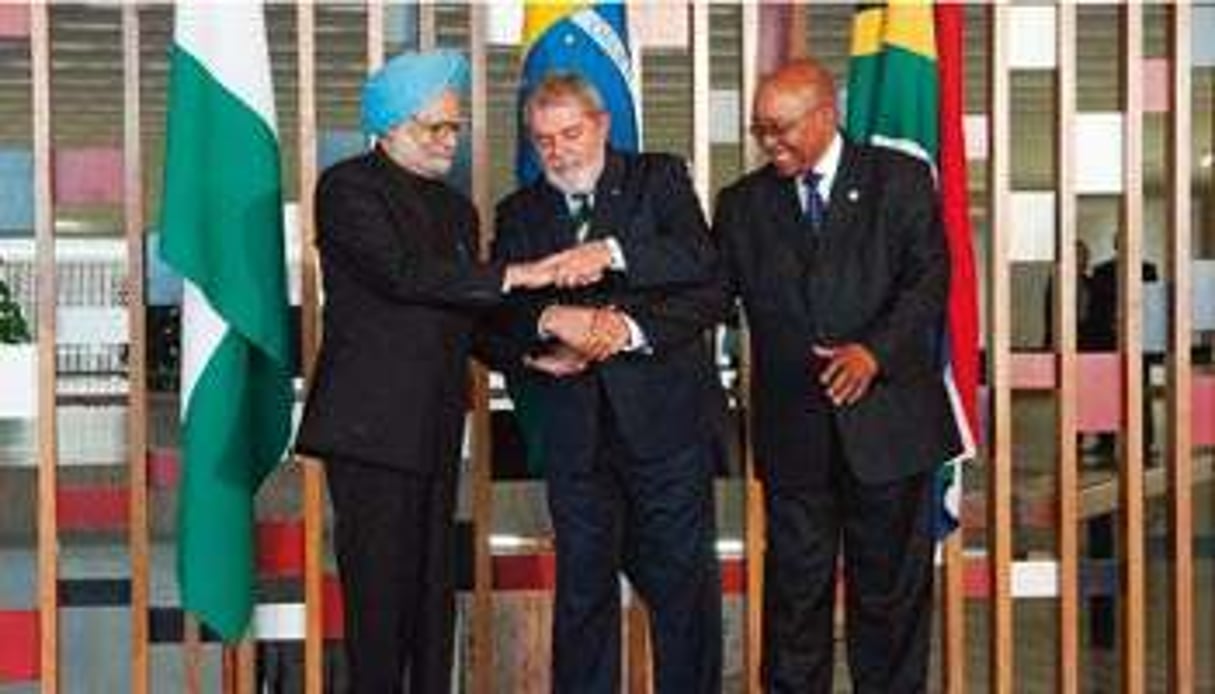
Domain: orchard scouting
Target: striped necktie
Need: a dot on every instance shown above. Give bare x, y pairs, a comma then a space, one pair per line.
816, 208
581, 214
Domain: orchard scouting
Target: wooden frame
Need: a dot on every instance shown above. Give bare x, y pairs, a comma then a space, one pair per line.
1180, 375
48, 444
999, 502
1130, 281
482, 444
1066, 317
137, 415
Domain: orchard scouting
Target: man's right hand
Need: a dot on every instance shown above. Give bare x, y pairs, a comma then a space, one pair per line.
534, 275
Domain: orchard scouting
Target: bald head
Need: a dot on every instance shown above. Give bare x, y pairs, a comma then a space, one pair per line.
794, 115
804, 79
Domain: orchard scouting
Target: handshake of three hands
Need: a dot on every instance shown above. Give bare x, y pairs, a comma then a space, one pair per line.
584, 334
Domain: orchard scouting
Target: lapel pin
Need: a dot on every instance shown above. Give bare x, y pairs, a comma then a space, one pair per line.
853, 195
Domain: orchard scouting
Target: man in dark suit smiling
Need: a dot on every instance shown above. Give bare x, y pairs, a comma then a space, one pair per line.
627, 400
838, 254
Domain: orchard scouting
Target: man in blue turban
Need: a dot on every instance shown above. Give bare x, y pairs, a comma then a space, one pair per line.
403, 290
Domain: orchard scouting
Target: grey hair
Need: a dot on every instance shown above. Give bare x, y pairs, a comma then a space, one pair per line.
561, 87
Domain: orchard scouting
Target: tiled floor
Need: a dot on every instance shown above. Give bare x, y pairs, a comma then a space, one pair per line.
94, 648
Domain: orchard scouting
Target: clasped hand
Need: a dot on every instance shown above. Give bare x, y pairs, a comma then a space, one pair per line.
585, 335
580, 266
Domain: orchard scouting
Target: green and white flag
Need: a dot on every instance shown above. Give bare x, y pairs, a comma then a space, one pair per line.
222, 230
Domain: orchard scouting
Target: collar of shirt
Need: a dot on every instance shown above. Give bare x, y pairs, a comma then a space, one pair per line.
572, 203
827, 166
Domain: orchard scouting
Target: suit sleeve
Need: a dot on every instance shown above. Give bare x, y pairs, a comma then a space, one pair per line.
672, 318
511, 329
357, 232
680, 252
922, 282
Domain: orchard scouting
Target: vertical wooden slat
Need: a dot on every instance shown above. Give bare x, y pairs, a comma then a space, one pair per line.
753, 489
44, 243
375, 34
246, 657
137, 399
798, 37
701, 147
227, 680
192, 644
1130, 280
702, 166
427, 27
999, 503
1066, 272
237, 667
1180, 391
314, 483
482, 471
638, 669
953, 617
637, 661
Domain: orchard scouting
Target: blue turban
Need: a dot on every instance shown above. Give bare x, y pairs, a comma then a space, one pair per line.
407, 84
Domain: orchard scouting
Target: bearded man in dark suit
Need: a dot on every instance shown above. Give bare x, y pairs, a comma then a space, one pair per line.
625, 395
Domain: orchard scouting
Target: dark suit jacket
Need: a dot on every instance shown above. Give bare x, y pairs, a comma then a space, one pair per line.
1099, 325
662, 400
401, 297
876, 273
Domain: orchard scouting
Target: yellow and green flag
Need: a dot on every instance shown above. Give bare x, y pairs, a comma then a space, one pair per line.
905, 92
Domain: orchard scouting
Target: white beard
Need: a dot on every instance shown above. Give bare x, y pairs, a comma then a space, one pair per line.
573, 181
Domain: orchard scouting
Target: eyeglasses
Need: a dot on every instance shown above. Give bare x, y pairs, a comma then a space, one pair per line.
780, 128
440, 129
761, 129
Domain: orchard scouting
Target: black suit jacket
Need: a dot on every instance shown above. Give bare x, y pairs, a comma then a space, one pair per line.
402, 293
876, 273
1099, 324
661, 400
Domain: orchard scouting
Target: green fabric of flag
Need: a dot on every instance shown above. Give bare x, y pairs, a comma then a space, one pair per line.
222, 230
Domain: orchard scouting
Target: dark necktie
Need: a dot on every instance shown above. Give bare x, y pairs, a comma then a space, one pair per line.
816, 208
580, 215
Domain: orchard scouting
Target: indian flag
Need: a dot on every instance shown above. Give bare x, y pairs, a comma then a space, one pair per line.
905, 92
222, 230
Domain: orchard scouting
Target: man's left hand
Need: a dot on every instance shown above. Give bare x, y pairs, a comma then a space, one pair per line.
849, 372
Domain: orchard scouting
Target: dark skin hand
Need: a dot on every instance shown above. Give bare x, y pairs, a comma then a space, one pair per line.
849, 372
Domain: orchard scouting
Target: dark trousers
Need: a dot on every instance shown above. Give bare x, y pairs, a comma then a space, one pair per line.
653, 519
395, 554
885, 532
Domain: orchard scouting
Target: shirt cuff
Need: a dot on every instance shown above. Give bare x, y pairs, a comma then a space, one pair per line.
617, 263
637, 339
